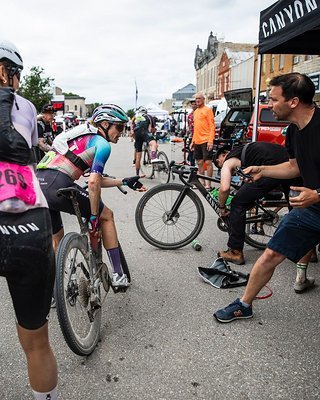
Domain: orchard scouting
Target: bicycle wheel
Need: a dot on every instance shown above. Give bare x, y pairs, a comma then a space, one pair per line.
72, 294
259, 233
146, 165
153, 217
162, 170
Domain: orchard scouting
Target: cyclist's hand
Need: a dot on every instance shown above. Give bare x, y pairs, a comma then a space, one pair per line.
255, 172
224, 212
134, 183
306, 198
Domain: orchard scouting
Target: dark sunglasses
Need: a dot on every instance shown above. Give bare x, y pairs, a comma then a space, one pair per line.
119, 127
14, 71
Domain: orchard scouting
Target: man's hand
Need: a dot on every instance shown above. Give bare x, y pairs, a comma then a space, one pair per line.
306, 198
134, 183
224, 212
255, 172
209, 146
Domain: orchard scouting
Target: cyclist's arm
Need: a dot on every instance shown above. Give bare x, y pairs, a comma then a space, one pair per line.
226, 177
107, 182
286, 170
43, 145
94, 190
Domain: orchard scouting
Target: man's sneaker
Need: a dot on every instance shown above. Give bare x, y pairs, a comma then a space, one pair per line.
300, 287
233, 311
119, 280
234, 256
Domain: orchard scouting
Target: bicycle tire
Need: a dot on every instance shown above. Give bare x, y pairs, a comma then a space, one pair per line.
72, 298
146, 165
162, 170
152, 210
258, 234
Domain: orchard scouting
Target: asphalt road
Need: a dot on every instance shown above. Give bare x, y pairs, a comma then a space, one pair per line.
159, 339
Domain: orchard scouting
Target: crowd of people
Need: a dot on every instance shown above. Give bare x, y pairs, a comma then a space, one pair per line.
29, 197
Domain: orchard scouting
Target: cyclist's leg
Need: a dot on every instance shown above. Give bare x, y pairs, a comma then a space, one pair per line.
153, 147
207, 157
138, 148
30, 270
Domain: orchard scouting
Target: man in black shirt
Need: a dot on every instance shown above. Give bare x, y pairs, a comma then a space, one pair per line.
256, 153
45, 132
291, 99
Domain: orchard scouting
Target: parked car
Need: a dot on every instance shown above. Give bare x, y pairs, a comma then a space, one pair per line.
238, 122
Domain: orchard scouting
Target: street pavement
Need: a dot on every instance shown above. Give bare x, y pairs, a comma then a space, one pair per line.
159, 340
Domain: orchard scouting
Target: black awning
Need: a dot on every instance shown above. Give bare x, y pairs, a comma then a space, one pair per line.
290, 27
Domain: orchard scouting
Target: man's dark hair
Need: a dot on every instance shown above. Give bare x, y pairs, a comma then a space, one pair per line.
295, 84
222, 150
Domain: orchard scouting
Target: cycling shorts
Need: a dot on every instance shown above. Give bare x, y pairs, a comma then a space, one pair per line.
297, 233
27, 262
52, 180
141, 138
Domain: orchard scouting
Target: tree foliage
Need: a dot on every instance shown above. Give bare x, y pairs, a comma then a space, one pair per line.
130, 113
37, 88
91, 107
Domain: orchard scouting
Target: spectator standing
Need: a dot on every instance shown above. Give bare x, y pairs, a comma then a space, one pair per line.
291, 99
190, 121
26, 253
203, 137
45, 132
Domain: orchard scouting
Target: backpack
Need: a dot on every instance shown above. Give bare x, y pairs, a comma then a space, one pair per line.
60, 143
221, 276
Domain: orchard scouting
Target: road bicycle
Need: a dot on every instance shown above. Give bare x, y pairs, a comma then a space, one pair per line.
82, 282
159, 170
171, 216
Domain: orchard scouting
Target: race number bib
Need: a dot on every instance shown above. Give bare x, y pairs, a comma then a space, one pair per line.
16, 181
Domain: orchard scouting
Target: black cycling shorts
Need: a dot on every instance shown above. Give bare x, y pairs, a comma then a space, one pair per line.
27, 262
52, 180
140, 138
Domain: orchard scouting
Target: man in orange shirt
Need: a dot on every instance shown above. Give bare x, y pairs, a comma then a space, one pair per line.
203, 136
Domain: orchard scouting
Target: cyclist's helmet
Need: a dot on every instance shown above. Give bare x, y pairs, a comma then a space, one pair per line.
9, 53
48, 108
142, 110
111, 113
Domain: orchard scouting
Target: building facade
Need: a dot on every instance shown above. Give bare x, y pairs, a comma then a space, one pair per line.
207, 65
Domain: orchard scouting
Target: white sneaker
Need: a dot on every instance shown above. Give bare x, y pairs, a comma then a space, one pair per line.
119, 280
156, 160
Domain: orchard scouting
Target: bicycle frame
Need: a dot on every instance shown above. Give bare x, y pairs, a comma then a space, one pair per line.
193, 179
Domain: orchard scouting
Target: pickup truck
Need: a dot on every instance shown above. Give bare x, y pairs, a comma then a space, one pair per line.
238, 122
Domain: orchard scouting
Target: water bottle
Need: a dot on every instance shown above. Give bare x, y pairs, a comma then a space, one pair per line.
196, 245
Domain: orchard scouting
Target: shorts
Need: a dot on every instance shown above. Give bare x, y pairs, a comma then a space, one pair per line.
141, 138
28, 263
200, 152
297, 233
52, 180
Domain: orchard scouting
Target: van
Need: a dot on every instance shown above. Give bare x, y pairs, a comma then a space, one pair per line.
238, 122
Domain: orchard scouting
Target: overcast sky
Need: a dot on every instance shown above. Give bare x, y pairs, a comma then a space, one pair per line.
97, 49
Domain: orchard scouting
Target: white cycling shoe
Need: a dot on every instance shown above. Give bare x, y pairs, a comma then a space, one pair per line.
119, 280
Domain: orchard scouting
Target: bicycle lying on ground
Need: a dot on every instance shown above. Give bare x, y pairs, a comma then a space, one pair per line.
158, 170
81, 277
170, 216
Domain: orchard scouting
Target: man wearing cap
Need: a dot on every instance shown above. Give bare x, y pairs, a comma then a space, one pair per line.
45, 132
256, 153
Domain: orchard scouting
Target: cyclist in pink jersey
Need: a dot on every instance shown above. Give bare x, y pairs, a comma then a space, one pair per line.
27, 257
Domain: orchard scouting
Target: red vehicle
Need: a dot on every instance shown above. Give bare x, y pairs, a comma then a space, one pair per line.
238, 123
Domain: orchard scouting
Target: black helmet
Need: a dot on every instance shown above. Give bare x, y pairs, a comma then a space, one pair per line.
220, 151
47, 108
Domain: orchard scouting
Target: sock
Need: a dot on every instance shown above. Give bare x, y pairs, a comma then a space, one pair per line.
153, 155
52, 395
246, 305
301, 272
137, 171
114, 257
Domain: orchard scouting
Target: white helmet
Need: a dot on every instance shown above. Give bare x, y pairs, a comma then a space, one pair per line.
9, 52
111, 113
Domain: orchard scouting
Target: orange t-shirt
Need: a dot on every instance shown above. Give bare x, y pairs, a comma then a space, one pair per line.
204, 128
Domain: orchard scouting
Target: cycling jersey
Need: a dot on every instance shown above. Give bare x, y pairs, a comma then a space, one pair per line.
143, 126
26, 253
93, 149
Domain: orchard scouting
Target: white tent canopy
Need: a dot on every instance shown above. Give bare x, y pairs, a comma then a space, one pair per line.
156, 111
